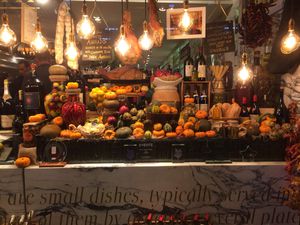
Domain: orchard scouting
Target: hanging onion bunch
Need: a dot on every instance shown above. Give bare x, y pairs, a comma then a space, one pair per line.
256, 25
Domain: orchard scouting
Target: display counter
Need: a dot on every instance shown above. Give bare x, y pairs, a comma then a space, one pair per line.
118, 193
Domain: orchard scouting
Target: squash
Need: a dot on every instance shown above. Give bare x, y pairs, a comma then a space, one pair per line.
111, 104
159, 133
201, 114
136, 89
179, 130
171, 134
23, 162
181, 122
144, 89
123, 132
58, 121
148, 125
127, 116
188, 133
65, 133
141, 114
200, 134
121, 91
138, 125
211, 133
167, 128
148, 134
188, 125
133, 111
110, 95
189, 100
157, 126
114, 88
155, 109
173, 110
128, 88
164, 108
57, 70
75, 135
50, 131
205, 125
264, 129
191, 119
72, 85
109, 135
37, 118
138, 133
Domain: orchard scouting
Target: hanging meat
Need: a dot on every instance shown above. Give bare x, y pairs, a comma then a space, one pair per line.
156, 29
134, 53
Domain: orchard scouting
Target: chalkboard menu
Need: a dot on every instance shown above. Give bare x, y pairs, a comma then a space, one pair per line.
220, 37
99, 48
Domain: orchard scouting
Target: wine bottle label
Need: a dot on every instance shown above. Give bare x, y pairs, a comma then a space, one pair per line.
32, 100
188, 70
201, 71
6, 121
203, 107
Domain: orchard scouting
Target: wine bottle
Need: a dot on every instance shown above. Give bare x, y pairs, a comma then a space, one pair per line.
281, 112
20, 117
244, 110
201, 65
196, 99
7, 112
188, 67
33, 96
254, 110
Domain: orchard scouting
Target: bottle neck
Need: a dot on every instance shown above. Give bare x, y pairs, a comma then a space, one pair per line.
6, 94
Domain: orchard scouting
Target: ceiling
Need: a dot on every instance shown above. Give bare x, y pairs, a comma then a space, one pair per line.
110, 14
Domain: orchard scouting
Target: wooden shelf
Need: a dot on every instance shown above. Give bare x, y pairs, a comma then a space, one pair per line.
196, 82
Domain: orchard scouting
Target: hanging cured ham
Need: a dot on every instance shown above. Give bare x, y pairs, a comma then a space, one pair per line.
156, 29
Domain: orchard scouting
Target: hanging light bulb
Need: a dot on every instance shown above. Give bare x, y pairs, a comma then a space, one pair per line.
72, 52
244, 72
291, 41
145, 40
186, 20
39, 43
42, 1
85, 27
7, 35
122, 46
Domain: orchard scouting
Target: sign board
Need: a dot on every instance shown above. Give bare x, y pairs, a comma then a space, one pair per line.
220, 37
99, 48
28, 21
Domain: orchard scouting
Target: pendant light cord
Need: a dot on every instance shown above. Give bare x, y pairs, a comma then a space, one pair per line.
145, 6
71, 17
122, 9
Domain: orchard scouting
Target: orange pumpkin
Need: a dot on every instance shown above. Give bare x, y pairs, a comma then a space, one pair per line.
192, 119
157, 126
65, 133
110, 95
138, 125
171, 134
136, 89
23, 162
188, 133
181, 122
128, 89
200, 134
264, 129
189, 100
114, 88
121, 91
173, 110
138, 133
211, 133
201, 114
75, 135
188, 125
179, 130
164, 108
36, 118
58, 121
109, 134
160, 133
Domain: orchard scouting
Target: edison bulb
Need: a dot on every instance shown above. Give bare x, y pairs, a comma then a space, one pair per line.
85, 28
290, 42
42, 1
39, 43
7, 36
186, 21
145, 41
122, 45
72, 52
244, 73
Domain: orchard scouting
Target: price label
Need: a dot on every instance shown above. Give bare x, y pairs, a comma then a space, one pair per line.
130, 151
145, 151
178, 152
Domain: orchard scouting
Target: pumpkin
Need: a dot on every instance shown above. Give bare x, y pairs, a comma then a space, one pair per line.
133, 111
155, 109
144, 89
127, 116
164, 108
114, 88
173, 110
136, 89
141, 114
171, 134
159, 133
50, 131
138, 133
205, 125
35, 118
264, 129
75, 135
138, 125
109, 135
201, 114
200, 134
65, 133
103, 88
72, 85
188, 133
123, 132
189, 100
121, 91
191, 119
58, 121
148, 134
179, 130
111, 104
181, 122
210, 133
128, 89
110, 95
167, 127
188, 125
157, 126
23, 162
